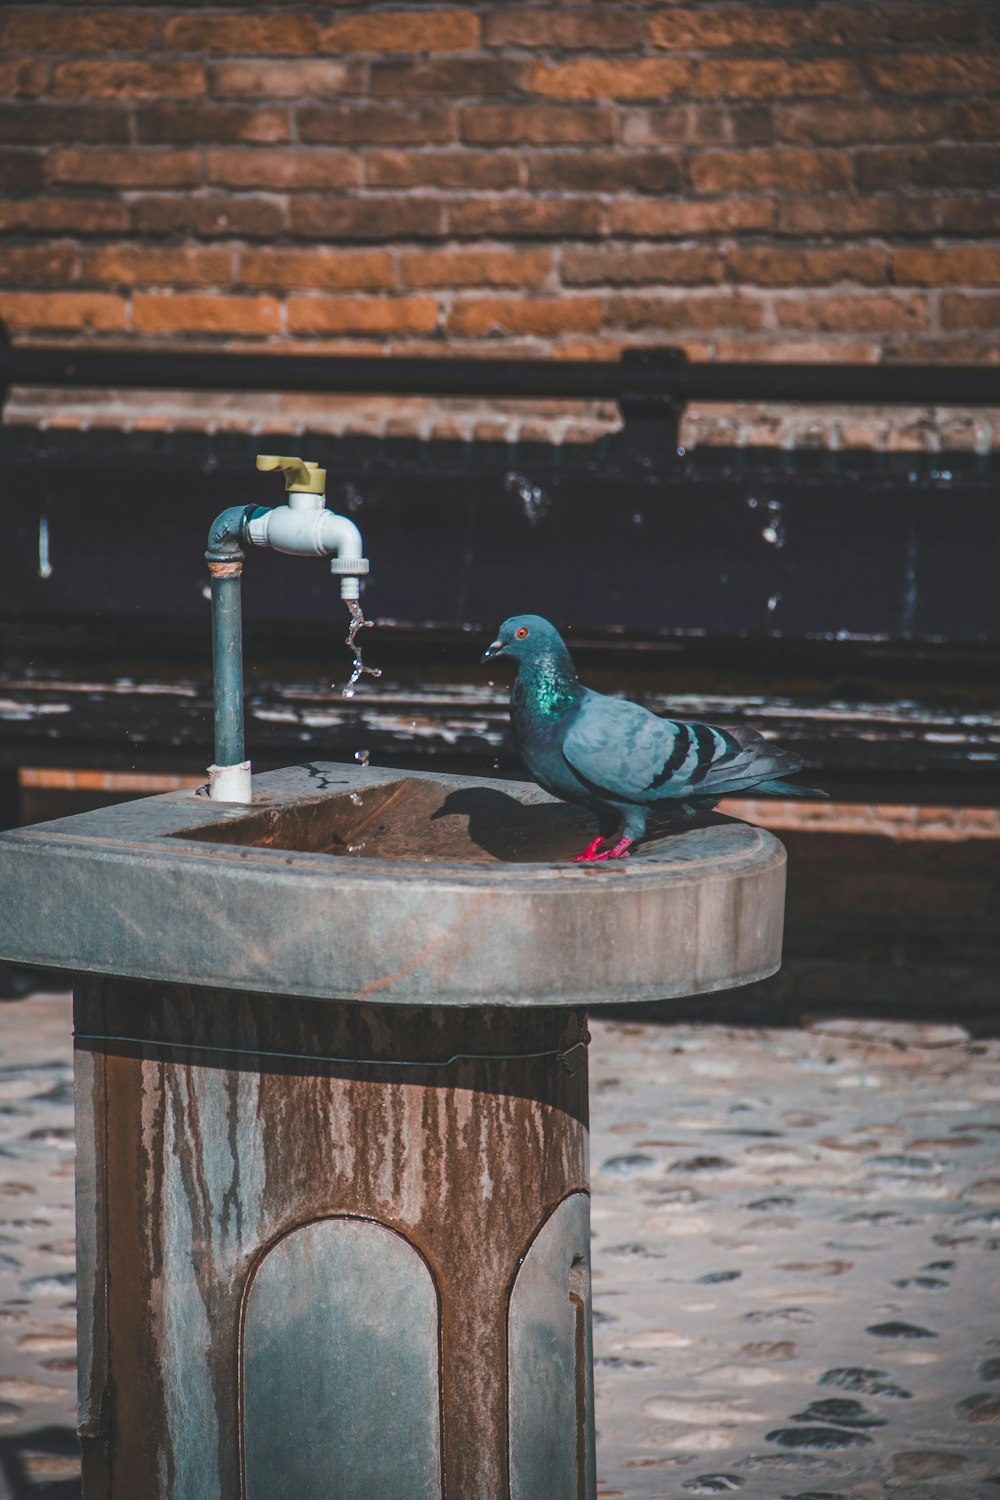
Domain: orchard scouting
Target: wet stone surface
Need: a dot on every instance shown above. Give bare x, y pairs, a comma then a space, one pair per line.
764, 1228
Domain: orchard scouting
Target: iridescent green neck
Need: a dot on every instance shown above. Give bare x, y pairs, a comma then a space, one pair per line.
551, 687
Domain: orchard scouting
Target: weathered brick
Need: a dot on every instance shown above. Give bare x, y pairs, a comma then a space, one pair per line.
605, 172
532, 217
161, 124
972, 119
243, 33
959, 348
453, 268
585, 29
307, 78
70, 312
488, 317
442, 169
377, 125
772, 266
38, 265
468, 76
968, 215
403, 31
834, 124
21, 171
153, 167
279, 171
366, 315
960, 310
536, 125
689, 30
209, 216
846, 215
774, 78
899, 167
160, 312
761, 169
48, 28
44, 124
77, 216
859, 24
937, 73
970, 265
650, 220
595, 78
695, 311
628, 265
139, 265
23, 77
316, 270
791, 347
699, 124
366, 218
128, 80
854, 313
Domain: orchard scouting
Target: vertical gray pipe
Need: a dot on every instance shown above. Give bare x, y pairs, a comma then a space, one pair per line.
227, 662
225, 564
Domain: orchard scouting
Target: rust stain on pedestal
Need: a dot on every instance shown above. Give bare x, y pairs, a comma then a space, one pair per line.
213, 1156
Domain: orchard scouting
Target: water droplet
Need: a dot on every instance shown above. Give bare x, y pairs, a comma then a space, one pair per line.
358, 668
774, 601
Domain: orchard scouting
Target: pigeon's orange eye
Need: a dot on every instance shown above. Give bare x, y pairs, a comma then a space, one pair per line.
521, 632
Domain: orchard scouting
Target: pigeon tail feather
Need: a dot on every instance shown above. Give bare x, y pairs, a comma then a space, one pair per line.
779, 788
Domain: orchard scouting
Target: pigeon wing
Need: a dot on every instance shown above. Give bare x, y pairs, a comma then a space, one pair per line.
632, 755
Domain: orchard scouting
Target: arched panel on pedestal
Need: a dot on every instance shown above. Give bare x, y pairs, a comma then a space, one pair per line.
550, 1391
339, 1368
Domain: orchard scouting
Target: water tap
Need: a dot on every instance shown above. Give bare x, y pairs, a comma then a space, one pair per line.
304, 527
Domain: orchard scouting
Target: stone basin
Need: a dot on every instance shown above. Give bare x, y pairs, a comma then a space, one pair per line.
391, 887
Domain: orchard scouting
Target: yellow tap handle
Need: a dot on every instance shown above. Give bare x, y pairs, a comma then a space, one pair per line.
301, 477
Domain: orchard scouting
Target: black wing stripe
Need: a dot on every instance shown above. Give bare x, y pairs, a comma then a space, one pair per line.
676, 758
708, 749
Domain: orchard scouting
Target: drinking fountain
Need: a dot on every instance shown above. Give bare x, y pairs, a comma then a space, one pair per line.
331, 1084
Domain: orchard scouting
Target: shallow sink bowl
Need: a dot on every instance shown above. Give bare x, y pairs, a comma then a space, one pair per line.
416, 818
453, 891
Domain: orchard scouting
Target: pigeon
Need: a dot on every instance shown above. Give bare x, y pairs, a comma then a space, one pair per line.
615, 757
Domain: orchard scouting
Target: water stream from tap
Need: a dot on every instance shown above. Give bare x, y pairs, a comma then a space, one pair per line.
358, 668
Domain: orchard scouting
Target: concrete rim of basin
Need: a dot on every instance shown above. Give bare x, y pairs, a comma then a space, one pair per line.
155, 890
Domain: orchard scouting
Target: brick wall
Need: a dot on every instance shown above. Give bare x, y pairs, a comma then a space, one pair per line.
786, 181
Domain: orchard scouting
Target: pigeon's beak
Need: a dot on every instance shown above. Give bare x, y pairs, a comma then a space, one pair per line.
495, 648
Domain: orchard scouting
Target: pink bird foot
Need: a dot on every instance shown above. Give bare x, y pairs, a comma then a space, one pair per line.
620, 850
593, 852
590, 852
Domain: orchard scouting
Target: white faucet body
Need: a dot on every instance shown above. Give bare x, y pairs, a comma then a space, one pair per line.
305, 528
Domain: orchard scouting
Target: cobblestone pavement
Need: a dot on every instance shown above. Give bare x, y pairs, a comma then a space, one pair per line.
794, 1284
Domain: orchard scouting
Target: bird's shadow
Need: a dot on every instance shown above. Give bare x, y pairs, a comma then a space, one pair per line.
506, 829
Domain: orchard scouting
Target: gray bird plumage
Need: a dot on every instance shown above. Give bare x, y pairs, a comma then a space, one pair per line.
617, 758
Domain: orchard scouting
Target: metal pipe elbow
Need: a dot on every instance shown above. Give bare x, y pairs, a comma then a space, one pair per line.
227, 534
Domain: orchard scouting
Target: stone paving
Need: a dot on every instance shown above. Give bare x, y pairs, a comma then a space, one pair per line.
794, 1285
